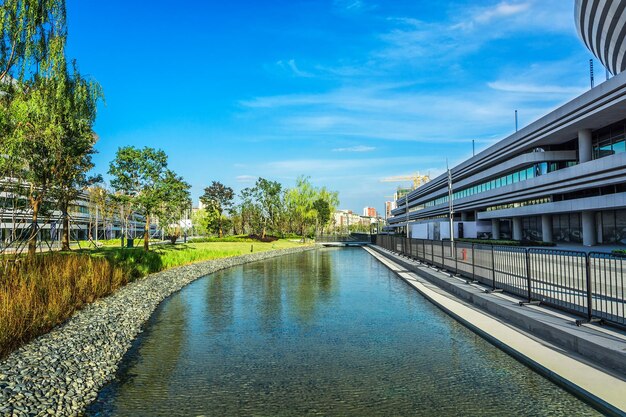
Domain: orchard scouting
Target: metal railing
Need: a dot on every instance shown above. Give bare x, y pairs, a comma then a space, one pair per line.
590, 285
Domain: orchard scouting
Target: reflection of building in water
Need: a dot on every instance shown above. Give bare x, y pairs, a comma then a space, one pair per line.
560, 179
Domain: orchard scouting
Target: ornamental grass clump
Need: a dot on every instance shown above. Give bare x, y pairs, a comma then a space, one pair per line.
38, 293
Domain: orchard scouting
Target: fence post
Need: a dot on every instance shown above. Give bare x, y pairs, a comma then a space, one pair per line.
530, 295
432, 252
588, 279
473, 264
456, 259
443, 256
493, 269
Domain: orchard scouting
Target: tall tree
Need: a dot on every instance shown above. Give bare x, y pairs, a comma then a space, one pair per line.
140, 175
268, 199
37, 128
300, 203
218, 198
322, 209
79, 99
27, 28
176, 200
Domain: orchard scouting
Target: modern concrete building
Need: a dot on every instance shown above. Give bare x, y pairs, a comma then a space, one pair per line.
601, 25
560, 179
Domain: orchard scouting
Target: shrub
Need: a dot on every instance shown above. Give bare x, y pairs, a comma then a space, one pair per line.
38, 293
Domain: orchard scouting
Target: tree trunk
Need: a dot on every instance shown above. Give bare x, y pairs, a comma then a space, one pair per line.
32, 239
65, 238
219, 226
146, 234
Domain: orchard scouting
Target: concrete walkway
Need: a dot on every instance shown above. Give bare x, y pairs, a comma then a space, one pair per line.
580, 369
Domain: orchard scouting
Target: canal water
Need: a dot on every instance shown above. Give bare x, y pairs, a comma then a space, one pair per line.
330, 332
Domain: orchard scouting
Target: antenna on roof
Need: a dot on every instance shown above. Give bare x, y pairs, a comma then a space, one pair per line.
516, 120
591, 71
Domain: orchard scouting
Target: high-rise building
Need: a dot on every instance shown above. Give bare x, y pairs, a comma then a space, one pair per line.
369, 211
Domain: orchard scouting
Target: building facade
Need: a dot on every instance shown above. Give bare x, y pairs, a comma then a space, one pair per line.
561, 179
86, 221
369, 212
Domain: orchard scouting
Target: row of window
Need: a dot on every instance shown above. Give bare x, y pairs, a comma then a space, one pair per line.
511, 178
520, 204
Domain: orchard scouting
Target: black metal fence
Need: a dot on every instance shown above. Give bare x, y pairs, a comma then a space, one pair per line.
590, 285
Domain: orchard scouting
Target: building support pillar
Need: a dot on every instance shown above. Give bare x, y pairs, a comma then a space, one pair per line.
517, 228
584, 145
495, 229
546, 228
589, 228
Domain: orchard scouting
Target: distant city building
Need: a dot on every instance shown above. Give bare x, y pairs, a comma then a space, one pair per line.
389, 206
369, 212
345, 220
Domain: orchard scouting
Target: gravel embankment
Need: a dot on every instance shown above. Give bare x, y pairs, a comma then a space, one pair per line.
61, 372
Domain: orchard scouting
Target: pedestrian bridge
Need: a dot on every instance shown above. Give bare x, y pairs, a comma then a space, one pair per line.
352, 239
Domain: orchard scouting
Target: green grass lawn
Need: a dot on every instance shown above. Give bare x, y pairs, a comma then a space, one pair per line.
163, 256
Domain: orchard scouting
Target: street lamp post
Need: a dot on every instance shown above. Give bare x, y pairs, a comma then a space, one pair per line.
407, 214
451, 209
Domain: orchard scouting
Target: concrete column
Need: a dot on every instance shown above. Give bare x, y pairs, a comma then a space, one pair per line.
463, 216
517, 228
546, 227
495, 229
589, 228
584, 145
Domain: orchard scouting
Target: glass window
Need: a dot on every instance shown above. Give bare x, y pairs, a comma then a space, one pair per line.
609, 232
522, 175
619, 146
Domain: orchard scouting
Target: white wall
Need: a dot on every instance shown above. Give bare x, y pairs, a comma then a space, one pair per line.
419, 231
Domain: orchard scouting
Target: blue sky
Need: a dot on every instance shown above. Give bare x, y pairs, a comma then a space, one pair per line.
346, 91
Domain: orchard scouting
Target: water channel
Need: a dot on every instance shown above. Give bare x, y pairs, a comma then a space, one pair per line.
327, 332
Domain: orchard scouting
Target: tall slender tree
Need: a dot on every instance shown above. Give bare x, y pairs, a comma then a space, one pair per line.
79, 99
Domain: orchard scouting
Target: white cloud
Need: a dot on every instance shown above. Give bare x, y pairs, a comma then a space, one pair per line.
352, 6
246, 178
500, 10
291, 67
357, 148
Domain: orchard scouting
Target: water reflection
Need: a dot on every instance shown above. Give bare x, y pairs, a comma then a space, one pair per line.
330, 332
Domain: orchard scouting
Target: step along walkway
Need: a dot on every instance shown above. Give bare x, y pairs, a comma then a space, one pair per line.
589, 360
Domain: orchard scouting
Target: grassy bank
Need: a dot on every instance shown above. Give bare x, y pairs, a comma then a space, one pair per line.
38, 294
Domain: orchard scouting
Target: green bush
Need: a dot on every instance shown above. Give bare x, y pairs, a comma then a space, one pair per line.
619, 252
506, 242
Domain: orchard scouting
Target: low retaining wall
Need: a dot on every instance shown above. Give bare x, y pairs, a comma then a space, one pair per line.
61, 372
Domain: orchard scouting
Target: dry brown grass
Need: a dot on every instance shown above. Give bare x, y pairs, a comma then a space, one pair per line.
39, 293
